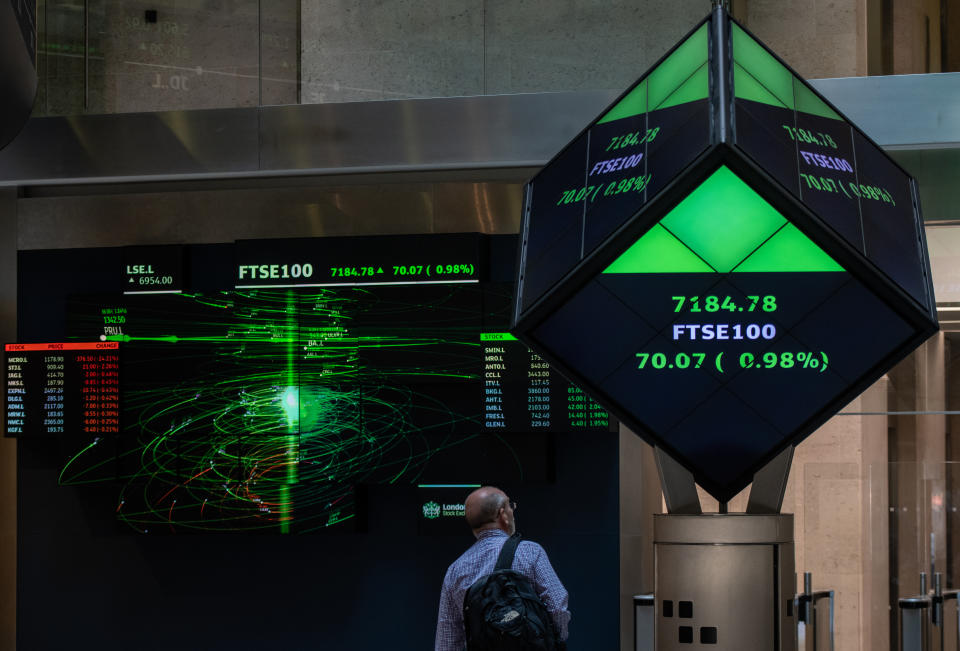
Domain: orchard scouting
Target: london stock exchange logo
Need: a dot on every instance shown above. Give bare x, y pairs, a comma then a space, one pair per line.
431, 510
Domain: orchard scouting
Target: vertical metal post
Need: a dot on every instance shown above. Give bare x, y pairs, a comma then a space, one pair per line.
299, 52
483, 47
43, 33
832, 619
720, 72
770, 484
86, 55
817, 635
259, 53
809, 613
644, 621
679, 488
916, 618
936, 613
914, 632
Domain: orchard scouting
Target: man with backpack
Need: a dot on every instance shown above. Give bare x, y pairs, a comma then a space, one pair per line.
501, 593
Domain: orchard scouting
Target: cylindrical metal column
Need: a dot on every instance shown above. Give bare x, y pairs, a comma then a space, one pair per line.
724, 580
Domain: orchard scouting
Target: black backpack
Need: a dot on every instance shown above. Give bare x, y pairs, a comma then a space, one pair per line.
503, 612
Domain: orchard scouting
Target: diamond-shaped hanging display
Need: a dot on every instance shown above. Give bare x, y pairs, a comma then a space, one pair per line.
721, 259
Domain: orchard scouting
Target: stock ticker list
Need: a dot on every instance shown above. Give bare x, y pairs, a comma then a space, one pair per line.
521, 391
62, 388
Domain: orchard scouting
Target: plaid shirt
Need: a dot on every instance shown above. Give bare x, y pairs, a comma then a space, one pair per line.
530, 560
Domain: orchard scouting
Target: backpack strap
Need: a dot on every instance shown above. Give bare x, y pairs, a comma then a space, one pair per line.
505, 559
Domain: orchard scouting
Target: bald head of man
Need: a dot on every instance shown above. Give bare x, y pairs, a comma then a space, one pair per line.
489, 508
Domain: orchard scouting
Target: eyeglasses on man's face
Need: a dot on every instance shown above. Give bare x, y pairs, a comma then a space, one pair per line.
510, 503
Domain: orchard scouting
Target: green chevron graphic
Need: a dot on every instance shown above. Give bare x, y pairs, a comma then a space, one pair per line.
682, 77
758, 76
723, 226
658, 251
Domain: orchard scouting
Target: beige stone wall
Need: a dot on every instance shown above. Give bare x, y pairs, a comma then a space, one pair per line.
640, 499
916, 36
920, 493
829, 492
952, 34
818, 38
847, 38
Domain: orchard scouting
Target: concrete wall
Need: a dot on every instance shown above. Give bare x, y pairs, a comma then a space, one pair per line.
218, 53
222, 53
372, 49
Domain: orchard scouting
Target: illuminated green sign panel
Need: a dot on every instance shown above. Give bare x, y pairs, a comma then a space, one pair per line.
722, 259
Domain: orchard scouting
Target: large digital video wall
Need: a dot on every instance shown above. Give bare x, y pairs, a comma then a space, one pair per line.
263, 385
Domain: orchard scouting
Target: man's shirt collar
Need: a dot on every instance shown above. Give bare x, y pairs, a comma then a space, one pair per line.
491, 533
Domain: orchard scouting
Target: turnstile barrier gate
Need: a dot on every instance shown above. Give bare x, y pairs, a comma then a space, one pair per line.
930, 621
815, 617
